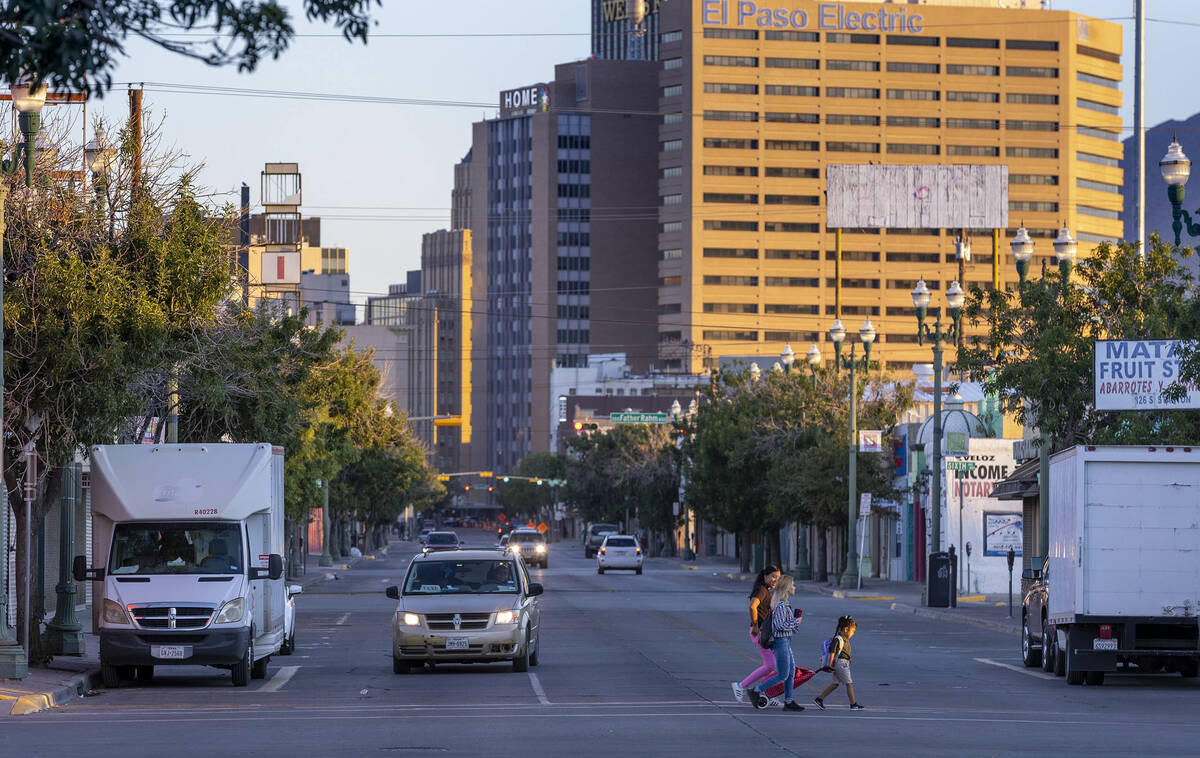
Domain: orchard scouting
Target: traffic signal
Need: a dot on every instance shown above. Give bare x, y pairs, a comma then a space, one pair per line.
490, 488
443, 478
539, 482
578, 425
466, 488
505, 480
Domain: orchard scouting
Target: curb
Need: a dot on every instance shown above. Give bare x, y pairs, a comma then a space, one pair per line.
35, 702
941, 615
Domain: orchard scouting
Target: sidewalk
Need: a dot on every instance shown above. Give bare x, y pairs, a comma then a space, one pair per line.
69, 677
986, 611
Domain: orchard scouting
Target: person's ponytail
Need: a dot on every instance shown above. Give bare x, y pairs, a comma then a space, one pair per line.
760, 581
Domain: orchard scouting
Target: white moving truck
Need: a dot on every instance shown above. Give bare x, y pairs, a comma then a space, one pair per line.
1124, 564
188, 543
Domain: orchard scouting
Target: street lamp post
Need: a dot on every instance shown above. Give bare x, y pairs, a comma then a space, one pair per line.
100, 154
326, 559
28, 101
937, 335
787, 357
866, 333
1176, 168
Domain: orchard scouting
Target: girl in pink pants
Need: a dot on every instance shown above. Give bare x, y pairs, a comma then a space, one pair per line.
760, 608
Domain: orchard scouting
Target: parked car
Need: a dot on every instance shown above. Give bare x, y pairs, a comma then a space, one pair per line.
1037, 633
530, 544
437, 541
288, 646
594, 536
471, 606
425, 533
619, 551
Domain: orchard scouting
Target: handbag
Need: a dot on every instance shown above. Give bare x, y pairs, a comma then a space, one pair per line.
766, 631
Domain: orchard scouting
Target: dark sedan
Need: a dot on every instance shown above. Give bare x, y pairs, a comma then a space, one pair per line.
438, 541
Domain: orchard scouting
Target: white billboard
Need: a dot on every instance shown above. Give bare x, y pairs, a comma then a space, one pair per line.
916, 197
1131, 375
993, 459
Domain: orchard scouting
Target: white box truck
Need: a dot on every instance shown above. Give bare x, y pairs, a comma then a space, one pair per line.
187, 541
1124, 566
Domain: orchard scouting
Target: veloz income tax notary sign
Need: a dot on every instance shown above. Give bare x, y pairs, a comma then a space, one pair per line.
1132, 375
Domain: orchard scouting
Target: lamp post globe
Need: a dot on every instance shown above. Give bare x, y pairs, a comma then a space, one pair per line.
1175, 165
776, 368
755, 371
1065, 249
1022, 251
814, 356
955, 297
867, 332
787, 356
676, 409
920, 297
27, 98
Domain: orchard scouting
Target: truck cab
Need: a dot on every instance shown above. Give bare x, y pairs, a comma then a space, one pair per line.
188, 543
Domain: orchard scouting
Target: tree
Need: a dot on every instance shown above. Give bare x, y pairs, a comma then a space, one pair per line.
1037, 350
77, 45
522, 497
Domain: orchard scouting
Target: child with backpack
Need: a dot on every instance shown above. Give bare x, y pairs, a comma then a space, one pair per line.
835, 658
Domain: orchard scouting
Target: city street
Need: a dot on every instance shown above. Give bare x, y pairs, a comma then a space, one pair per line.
631, 665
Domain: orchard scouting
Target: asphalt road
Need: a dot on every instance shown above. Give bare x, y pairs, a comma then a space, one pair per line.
630, 665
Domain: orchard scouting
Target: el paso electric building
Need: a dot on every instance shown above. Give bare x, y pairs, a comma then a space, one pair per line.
756, 99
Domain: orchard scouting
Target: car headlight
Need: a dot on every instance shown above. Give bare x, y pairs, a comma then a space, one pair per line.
540, 549
231, 612
411, 619
515, 548
505, 617
114, 613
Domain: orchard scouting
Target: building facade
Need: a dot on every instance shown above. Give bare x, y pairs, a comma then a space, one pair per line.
758, 101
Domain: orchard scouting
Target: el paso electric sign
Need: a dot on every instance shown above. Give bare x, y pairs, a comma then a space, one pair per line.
830, 16
1132, 375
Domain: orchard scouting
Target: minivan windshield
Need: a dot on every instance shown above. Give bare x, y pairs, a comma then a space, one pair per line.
442, 538
471, 577
176, 548
601, 528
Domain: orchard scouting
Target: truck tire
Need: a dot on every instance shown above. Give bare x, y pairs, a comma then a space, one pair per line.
143, 674
110, 676
1190, 669
259, 669
1030, 656
400, 667
1060, 661
241, 669
1048, 651
1095, 678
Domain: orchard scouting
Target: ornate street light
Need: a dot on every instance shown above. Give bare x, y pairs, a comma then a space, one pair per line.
1176, 168
755, 372
837, 333
676, 409
1065, 249
1022, 251
787, 356
100, 155
814, 358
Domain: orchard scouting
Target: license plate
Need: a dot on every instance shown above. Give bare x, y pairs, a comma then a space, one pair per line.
1103, 644
457, 643
171, 652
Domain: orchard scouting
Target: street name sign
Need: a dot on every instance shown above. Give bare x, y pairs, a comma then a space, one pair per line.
630, 417
960, 465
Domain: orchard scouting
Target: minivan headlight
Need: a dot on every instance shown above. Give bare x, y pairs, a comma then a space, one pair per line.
231, 612
505, 617
114, 613
411, 619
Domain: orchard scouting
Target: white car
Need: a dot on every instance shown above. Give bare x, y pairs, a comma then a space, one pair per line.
288, 646
619, 551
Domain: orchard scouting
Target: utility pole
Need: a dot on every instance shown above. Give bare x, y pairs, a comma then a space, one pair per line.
135, 139
1139, 118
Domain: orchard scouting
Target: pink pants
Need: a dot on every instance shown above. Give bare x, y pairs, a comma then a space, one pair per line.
763, 671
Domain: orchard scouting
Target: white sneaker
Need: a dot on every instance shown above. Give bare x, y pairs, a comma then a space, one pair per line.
739, 693
774, 703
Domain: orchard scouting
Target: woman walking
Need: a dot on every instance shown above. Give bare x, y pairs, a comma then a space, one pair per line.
784, 621
760, 609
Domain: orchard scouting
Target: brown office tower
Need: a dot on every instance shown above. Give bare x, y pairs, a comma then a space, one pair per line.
563, 212
759, 98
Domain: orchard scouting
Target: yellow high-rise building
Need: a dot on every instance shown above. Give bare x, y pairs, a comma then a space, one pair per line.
758, 98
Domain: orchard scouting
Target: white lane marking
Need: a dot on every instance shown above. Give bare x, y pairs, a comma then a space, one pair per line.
342, 620
537, 689
281, 678
1030, 672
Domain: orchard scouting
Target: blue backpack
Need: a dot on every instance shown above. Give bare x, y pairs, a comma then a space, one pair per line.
827, 648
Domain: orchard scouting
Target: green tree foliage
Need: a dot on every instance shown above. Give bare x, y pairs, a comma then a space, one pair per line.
522, 497
628, 470
1037, 350
78, 45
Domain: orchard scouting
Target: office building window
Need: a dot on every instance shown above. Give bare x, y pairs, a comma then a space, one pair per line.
731, 308
1098, 186
1090, 210
1031, 98
791, 36
912, 257
854, 310
730, 197
730, 88
852, 147
1093, 105
1031, 126
670, 281
791, 309
731, 281
574, 263
866, 93
775, 117
977, 42
915, 232
1031, 44
1045, 179
731, 170
909, 67
1031, 152
905, 148
1035, 206
794, 227
672, 118
790, 255
672, 254
1091, 131
714, 225
858, 284
914, 94
671, 172
790, 90
908, 284
670, 308
791, 336
730, 115
1103, 81
675, 90
793, 172
972, 123
916, 41
791, 200
667, 38
669, 227
844, 65
730, 252
740, 61
960, 69
973, 97
869, 256
671, 64
977, 150
675, 199
1103, 55
730, 34
725, 143
1042, 72
792, 281
853, 119
728, 335
791, 144
853, 39
809, 63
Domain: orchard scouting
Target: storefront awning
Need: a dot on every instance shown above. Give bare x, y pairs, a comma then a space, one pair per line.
1020, 484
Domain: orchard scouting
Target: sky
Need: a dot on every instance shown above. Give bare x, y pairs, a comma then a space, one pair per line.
379, 173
